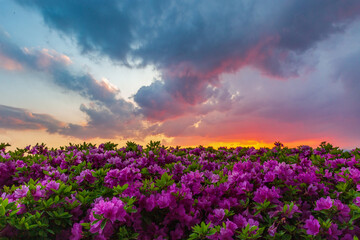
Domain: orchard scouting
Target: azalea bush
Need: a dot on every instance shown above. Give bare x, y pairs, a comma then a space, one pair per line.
157, 192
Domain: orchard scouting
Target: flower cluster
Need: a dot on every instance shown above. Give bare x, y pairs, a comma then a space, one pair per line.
88, 192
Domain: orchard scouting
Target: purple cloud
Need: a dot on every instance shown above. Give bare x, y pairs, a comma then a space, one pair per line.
192, 43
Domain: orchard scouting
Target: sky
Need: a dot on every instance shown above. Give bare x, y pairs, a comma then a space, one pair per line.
186, 73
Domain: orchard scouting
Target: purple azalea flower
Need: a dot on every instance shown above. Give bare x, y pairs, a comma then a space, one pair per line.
269, 177
228, 232
217, 216
20, 193
76, 232
252, 223
348, 236
52, 185
87, 176
22, 208
177, 233
193, 180
112, 210
312, 226
39, 193
357, 201
164, 200
323, 203
272, 230
239, 220
294, 210
334, 231
328, 174
150, 203
344, 210
264, 193
312, 190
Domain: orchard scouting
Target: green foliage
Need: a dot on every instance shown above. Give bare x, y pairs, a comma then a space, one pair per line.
131, 146
253, 232
164, 181
202, 231
262, 207
4, 145
126, 233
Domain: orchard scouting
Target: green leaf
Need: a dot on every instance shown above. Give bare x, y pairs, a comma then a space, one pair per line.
97, 216
50, 231
5, 202
68, 189
285, 208
13, 212
103, 224
2, 210
253, 228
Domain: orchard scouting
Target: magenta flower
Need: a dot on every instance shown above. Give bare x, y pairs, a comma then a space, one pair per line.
344, 210
323, 203
264, 193
150, 203
76, 232
20, 193
164, 200
112, 210
21, 207
294, 210
39, 193
334, 231
269, 177
252, 223
272, 230
357, 201
87, 176
52, 185
177, 233
219, 213
240, 221
228, 232
217, 216
312, 226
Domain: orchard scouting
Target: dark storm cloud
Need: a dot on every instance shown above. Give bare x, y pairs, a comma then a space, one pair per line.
348, 72
197, 41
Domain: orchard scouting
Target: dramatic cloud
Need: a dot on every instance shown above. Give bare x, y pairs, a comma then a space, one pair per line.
22, 119
348, 72
240, 70
192, 43
108, 116
317, 106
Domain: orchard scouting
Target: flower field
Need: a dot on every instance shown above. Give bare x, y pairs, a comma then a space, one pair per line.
157, 192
